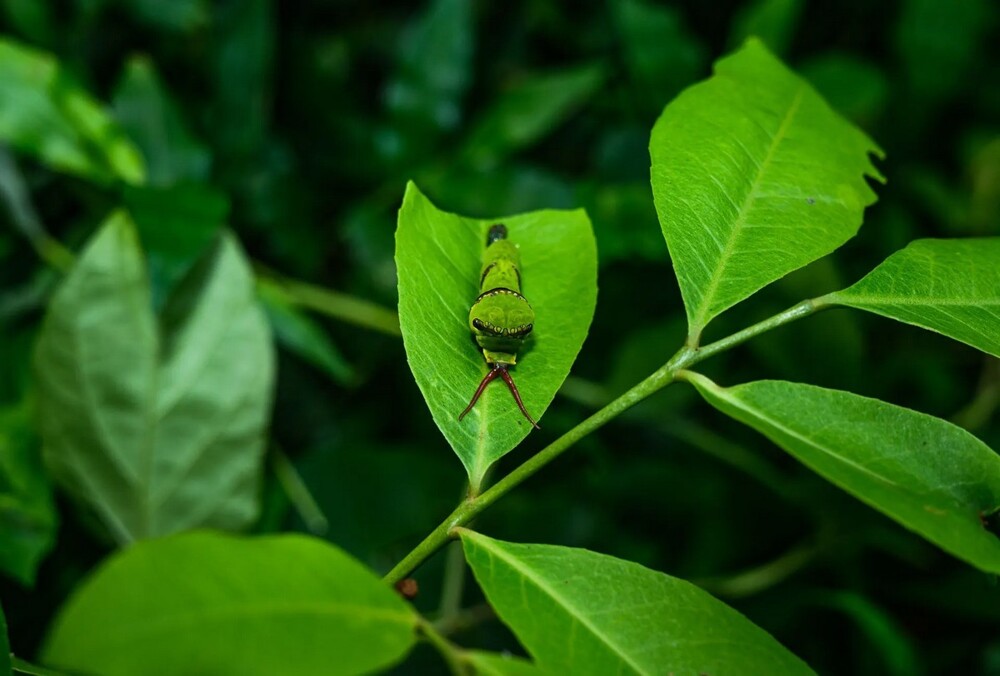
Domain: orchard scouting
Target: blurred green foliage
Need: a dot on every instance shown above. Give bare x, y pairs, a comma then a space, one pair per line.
302, 121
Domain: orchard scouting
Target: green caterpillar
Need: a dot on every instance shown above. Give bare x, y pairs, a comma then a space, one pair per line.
500, 318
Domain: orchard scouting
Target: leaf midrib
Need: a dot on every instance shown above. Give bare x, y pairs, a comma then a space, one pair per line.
699, 319
578, 618
167, 623
847, 298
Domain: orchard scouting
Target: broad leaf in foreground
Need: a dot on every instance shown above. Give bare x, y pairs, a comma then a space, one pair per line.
951, 286
753, 176
156, 425
578, 612
929, 475
208, 603
439, 258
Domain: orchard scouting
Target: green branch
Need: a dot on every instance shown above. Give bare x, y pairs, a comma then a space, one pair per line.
339, 306
665, 375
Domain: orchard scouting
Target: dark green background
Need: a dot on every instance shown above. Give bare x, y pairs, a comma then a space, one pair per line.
310, 116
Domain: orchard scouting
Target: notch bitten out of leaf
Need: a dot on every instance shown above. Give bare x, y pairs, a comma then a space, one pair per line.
753, 176
439, 259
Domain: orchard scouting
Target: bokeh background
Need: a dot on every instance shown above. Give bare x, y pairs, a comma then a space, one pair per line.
304, 120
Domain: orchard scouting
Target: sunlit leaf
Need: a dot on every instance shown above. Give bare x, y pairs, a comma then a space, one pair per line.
44, 115
753, 176
207, 603
928, 474
157, 428
578, 612
951, 286
439, 258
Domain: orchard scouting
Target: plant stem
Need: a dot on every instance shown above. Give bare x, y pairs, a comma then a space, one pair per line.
471, 507
765, 576
450, 653
452, 584
338, 305
298, 493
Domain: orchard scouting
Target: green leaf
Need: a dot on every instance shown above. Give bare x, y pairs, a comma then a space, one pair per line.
438, 258
753, 176
27, 510
5, 666
207, 603
176, 226
146, 111
298, 332
578, 612
44, 115
497, 664
951, 286
157, 430
929, 475
529, 110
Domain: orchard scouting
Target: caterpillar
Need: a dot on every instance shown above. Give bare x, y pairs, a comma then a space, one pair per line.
500, 318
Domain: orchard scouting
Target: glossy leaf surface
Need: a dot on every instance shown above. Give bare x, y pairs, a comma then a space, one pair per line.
578, 612
753, 176
928, 474
156, 423
951, 286
439, 258
208, 603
